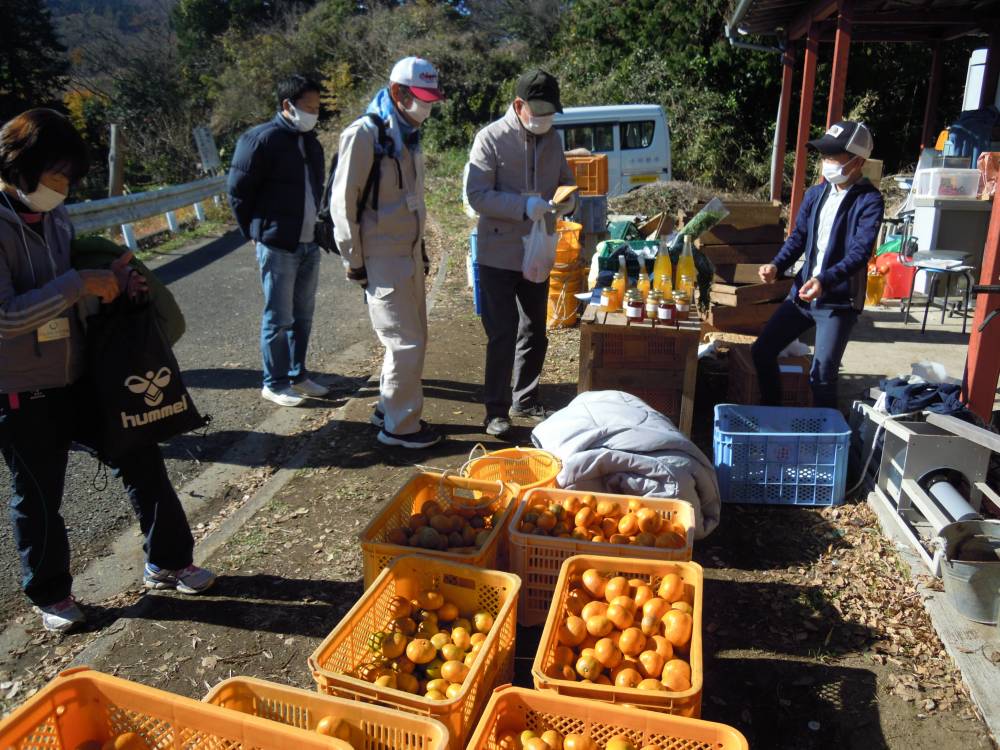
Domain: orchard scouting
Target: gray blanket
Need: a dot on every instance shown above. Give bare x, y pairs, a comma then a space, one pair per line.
610, 441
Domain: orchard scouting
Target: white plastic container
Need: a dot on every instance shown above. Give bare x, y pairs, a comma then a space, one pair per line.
947, 183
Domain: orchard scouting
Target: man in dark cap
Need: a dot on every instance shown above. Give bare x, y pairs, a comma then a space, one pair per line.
835, 233
515, 166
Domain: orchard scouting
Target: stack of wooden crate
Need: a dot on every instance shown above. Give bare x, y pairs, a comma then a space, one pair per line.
750, 236
658, 364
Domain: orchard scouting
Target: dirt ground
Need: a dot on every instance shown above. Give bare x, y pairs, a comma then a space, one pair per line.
813, 635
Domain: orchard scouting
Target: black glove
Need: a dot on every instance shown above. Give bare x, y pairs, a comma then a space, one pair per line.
359, 276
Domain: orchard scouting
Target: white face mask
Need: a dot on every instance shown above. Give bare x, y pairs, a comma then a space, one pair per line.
540, 125
303, 121
43, 199
418, 111
834, 173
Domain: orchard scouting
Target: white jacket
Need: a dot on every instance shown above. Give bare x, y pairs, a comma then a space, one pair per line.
398, 226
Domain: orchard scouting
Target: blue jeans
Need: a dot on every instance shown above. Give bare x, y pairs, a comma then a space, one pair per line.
289, 281
791, 320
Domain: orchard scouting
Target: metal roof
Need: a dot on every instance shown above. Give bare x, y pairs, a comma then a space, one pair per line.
875, 20
609, 112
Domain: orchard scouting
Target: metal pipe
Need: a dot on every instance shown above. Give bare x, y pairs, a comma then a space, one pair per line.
951, 500
738, 14
749, 45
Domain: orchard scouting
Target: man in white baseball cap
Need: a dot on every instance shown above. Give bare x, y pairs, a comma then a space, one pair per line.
378, 212
419, 76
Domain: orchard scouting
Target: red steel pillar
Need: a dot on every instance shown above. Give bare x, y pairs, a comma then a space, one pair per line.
983, 364
929, 134
805, 119
841, 52
781, 127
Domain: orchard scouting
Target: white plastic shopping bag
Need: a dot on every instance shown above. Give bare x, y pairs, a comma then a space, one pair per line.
539, 253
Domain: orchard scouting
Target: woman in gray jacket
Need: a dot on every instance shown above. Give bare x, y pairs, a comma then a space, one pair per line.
44, 401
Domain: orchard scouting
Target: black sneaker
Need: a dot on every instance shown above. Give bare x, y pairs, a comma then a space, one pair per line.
424, 438
377, 418
536, 412
497, 426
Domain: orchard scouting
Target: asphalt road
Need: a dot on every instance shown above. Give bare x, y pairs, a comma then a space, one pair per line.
217, 286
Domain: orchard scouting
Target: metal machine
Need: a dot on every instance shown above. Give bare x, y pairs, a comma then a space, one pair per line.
933, 472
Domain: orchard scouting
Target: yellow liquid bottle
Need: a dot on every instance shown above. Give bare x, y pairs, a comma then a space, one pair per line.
643, 284
685, 263
875, 288
619, 284
665, 285
662, 266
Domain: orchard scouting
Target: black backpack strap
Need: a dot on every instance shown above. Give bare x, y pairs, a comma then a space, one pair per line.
383, 146
324, 203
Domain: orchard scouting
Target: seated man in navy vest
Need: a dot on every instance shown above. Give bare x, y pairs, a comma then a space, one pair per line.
835, 233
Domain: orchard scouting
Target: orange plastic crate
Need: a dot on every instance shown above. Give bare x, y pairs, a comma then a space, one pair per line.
335, 664
686, 703
371, 727
528, 468
512, 709
591, 173
82, 708
538, 559
423, 487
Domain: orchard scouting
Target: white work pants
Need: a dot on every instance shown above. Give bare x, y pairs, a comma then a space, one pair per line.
397, 307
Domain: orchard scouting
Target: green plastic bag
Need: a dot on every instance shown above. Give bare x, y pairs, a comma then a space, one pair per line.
892, 245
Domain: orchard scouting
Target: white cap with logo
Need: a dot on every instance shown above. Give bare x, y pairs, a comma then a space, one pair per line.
419, 76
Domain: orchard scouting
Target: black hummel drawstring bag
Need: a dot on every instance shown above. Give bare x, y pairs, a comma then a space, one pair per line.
141, 398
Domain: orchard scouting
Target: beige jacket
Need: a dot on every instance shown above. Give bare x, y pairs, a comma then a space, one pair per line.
396, 229
506, 164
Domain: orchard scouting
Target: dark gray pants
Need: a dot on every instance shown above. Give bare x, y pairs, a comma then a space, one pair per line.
513, 311
791, 320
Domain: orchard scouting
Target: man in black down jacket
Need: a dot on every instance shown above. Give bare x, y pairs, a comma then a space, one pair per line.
275, 185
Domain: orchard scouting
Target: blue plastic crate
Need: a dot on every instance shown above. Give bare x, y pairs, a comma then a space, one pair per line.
778, 455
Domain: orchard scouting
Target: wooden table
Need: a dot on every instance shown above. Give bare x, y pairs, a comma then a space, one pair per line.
658, 364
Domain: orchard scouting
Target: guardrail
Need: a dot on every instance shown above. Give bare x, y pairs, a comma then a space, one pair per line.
123, 210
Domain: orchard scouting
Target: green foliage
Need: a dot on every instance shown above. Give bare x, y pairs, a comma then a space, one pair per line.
220, 60
33, 62
671, 53
199, 22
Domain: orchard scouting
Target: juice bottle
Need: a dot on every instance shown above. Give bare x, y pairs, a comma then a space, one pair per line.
665, 285
643, 284
662, 265
620, 283
685, 263
875, 288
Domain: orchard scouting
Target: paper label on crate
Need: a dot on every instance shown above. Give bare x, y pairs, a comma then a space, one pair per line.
790, 368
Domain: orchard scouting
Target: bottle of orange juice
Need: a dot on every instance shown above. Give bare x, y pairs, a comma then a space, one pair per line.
664, 284
620, 283
876, 286
643, 284
662, 267
685, 263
